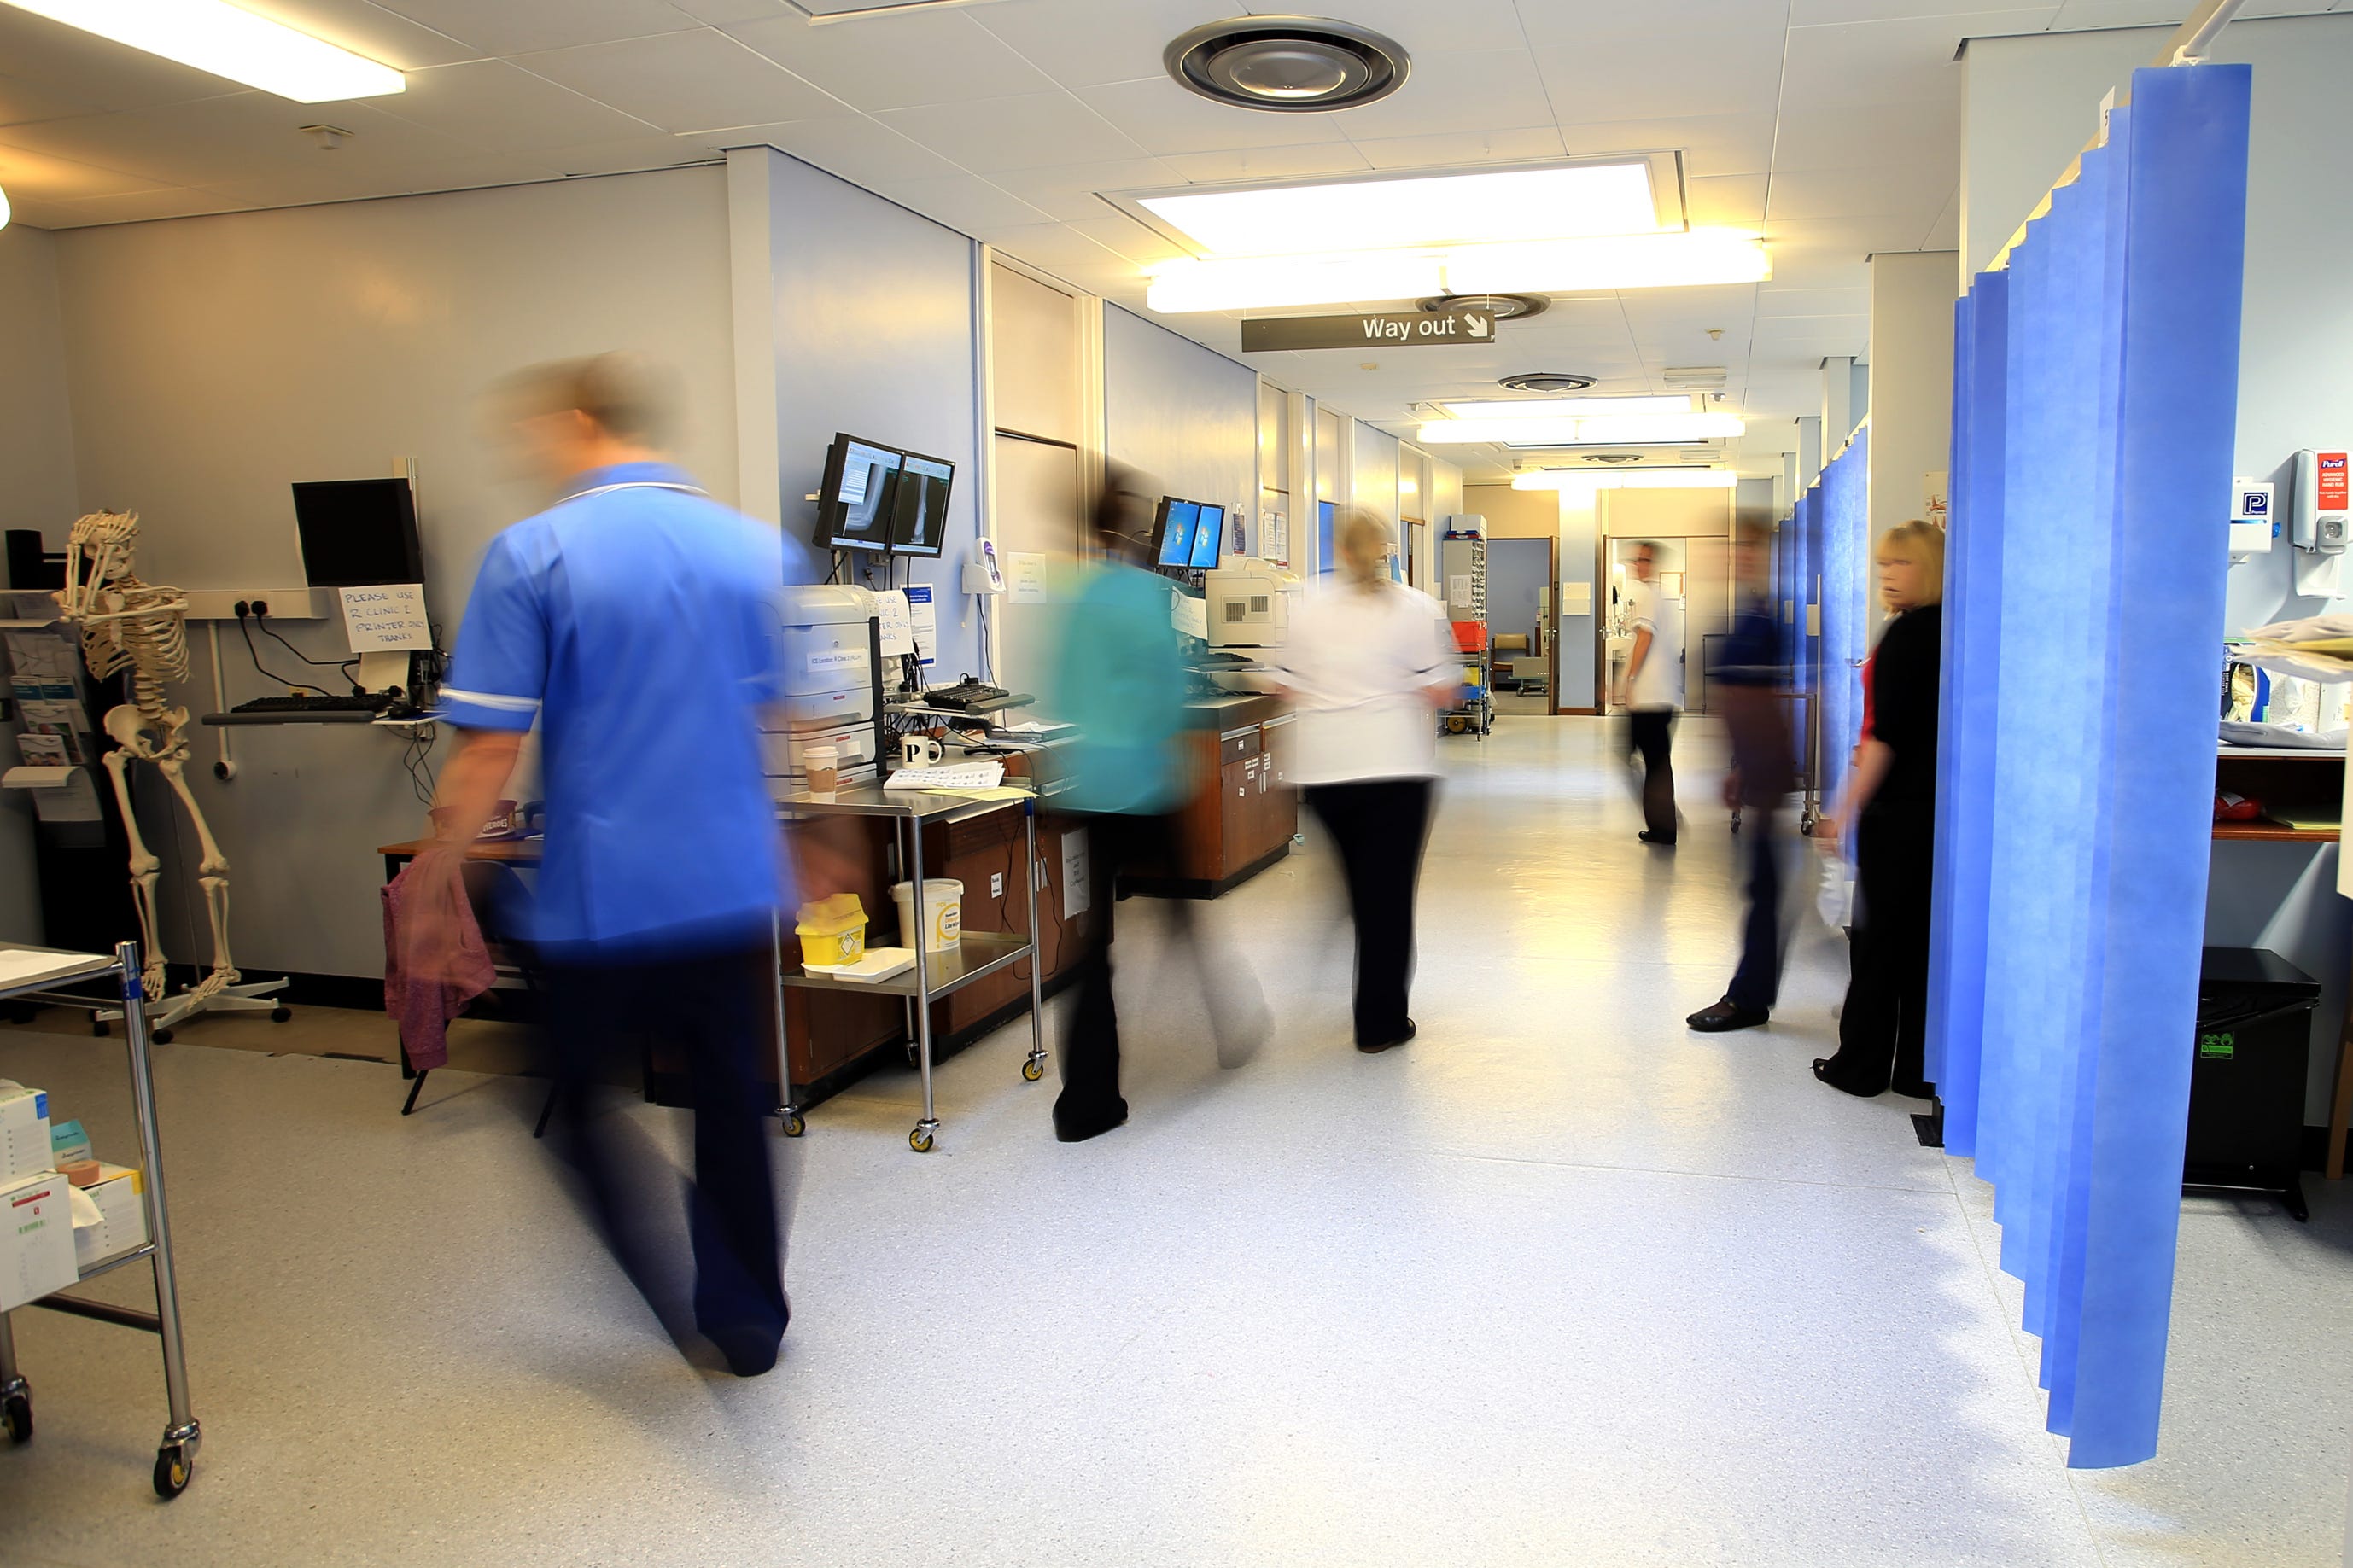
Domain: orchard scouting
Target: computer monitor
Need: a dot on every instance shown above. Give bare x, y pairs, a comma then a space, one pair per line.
854, 502
1208, 538
919, 510
1172, 540
357, 534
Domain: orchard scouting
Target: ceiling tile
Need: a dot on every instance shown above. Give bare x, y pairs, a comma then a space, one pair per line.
1165, 118
23, 102
68, 61
1035, 131
1856, 136
722, 13
1069, 191
139, 206
496, 105
1552, 24
1945, 232
624, 155
2077, 15
454, 175
1906, 63
1732, 200
1772, 301
1268, 163
897, 62
1455, 149
965, 203
29, 174
1815, 13
517, 27
366, 29
852, 145
1125, 236
1471, 91
1721, 72
243, 136
1085, 43
1054, 248
1856, 193
1428, 30
685, 81
1713, 144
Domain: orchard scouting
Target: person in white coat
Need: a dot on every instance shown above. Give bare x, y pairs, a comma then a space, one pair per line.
1368, 664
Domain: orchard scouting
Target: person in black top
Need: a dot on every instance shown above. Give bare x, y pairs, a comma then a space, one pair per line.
1890, 808
1744, 683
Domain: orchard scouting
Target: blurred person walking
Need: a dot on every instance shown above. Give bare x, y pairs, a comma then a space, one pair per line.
1891, 810
1653, 692
1368, 665
1118, 676
1744, 686
631, 622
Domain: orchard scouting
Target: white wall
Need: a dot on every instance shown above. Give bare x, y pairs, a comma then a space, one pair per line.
1911, 383
212, 361
37, 490
2029, 104
1373, 468
1183, 417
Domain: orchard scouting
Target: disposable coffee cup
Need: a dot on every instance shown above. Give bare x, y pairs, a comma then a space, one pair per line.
824, 771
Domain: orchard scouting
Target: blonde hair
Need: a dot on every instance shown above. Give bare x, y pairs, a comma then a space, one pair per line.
1925, 540
1357, 531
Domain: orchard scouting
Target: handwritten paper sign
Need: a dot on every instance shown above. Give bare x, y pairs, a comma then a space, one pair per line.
1025, 577
386, 618
898, 623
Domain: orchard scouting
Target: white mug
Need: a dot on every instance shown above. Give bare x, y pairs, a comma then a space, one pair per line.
918, 750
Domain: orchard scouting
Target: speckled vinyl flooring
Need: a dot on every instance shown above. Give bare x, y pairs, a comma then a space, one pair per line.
1559, 1282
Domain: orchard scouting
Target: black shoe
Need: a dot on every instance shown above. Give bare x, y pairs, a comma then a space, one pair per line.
749, 1351
1822, 1071
1664, 840
1076, 1126
1412, 1029
1719, 1017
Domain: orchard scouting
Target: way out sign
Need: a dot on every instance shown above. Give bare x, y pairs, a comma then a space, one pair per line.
1403, 329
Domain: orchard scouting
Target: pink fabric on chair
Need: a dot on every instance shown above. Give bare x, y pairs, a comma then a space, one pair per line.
435, 960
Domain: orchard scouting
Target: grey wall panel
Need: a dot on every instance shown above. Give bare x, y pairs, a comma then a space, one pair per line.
1185, 418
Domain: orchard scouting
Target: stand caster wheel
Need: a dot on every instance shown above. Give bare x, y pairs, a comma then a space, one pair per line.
920, 1141
1032, 1069
173, 1468
793, 1125
18, 1412
99, 1029
280, 1015
162, 1036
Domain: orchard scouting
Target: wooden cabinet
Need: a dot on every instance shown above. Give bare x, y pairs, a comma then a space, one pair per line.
1242, 818
984, 854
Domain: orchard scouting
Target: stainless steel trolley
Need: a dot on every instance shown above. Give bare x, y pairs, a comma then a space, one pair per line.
176, 1458
936, 974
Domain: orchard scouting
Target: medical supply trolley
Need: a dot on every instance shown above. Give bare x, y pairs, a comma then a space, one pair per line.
176, 1458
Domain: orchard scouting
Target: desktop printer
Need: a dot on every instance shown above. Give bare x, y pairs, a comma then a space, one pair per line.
825, 655
1250, 604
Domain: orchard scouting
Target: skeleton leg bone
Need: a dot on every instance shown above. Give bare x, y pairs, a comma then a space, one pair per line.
212, 868
145, 867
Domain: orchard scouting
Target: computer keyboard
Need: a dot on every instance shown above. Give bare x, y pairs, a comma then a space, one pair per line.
315, 702
966, 695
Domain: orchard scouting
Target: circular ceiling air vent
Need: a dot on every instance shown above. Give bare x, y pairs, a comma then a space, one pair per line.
1504, 307
1290, 64
1546, 381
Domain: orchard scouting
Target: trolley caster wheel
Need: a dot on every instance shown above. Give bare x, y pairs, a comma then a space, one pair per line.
920, 1141
280, 1015
793, 1125
18, 1412
173, 1468
99, 1029
162, 1036
1032, 1069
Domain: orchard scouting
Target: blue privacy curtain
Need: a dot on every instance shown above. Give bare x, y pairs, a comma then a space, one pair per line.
1810, 618
2095, 408
1846, 599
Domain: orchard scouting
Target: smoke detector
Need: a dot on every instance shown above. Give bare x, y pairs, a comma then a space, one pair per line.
1546, 381
326, 137
1287, 65
1503, 307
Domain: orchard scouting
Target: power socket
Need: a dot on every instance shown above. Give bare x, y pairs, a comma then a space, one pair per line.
996, 884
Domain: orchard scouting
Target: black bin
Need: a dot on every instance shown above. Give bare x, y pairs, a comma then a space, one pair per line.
2247, 1086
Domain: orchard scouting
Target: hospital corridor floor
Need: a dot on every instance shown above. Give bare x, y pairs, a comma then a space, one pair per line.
1558, 1282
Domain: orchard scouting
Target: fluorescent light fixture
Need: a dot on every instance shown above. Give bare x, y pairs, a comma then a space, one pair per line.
214, 36
1433, 210
1565, 407
1654, 479
1698, 256
1622, 430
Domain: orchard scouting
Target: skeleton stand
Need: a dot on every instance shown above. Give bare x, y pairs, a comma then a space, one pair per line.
128, 625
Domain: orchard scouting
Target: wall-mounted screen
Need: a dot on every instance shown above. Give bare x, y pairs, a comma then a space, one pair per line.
1208, 538
919, 508
1173, 539
854, 502
357, 534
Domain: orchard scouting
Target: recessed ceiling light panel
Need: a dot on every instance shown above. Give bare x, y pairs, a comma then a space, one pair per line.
1604, 430
1287, 65
1491, 208
1562, 407
228, 41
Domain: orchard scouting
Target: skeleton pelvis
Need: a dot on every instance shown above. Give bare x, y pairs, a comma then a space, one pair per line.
133, 734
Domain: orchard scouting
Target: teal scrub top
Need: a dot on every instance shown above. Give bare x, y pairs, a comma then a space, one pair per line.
1120, 678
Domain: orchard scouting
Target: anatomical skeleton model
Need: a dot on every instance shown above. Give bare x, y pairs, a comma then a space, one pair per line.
128, 625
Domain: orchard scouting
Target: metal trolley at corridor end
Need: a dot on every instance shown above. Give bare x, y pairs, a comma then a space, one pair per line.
175, 1457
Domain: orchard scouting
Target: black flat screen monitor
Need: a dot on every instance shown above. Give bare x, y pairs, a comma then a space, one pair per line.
919, 510
357, 534
1208, 538
854, 502
1172, 542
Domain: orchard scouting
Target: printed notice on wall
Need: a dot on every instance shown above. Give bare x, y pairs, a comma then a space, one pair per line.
898, 624
1078, 897
386, 618
923, 623
1458, 593
1025, 577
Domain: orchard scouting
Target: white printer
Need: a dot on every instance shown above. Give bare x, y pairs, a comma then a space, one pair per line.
1250, 603
824, 650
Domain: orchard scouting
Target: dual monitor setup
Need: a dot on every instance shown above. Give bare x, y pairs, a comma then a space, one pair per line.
883, 499
1186, 535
